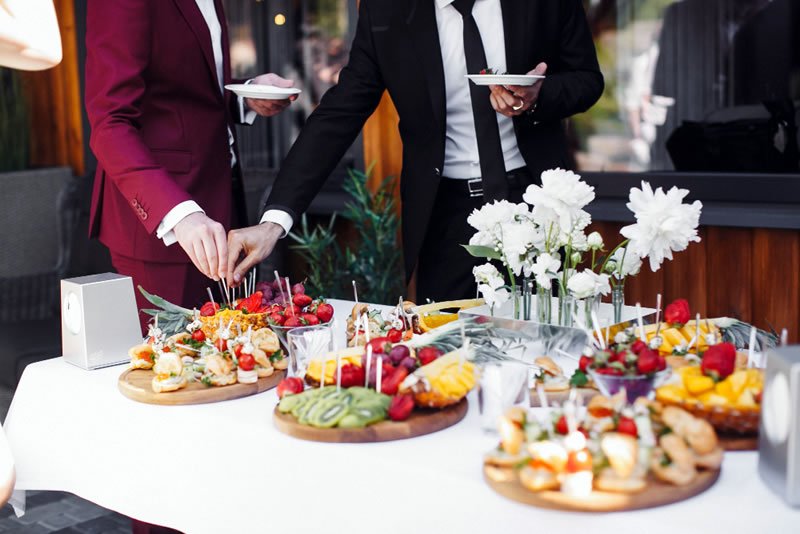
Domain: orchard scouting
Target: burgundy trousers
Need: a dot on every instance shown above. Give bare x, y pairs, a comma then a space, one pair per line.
179, 283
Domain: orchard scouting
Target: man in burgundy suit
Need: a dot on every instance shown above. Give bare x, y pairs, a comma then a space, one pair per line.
162, 131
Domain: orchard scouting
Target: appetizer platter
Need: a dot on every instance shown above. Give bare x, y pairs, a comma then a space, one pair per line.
493, 77
617, 457
387, 390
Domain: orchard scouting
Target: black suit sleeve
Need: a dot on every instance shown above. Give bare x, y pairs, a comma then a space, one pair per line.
574, 81
332, 127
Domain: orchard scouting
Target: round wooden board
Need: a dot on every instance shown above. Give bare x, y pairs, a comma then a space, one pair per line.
558, 397
731, 442
505, 482
135, 384
420, 423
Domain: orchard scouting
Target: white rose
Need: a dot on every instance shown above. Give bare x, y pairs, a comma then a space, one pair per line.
488, 275
595, 241
631, 264
581, 285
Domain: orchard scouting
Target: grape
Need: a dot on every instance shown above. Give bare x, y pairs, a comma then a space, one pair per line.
264, 287
298, 289
398, 354
409, 363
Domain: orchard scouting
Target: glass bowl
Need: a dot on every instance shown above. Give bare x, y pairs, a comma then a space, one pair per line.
635, 386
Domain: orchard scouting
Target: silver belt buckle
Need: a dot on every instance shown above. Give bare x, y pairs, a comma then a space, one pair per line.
475, 187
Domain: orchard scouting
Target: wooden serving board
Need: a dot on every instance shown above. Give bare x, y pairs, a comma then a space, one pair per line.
420, 423
506, 482
558, 397
731, 442
135, 384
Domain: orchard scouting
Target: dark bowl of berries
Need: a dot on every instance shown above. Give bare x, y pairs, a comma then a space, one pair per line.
634, 367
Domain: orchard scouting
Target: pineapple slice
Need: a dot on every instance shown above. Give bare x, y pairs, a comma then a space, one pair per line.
697, 385
725, 389
713, 399
674, 393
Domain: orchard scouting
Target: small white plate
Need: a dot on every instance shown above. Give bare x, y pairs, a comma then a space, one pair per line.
265, 92
504, 79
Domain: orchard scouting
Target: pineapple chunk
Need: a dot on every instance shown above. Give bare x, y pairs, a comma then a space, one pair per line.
672, 393
675, 337
738, 381
712, 399
725, 389
689, 370
746, 400
755, 378
697, 385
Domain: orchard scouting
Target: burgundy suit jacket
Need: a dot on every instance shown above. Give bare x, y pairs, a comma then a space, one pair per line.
159, 121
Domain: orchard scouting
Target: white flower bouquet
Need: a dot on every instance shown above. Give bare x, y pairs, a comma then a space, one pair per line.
544, 239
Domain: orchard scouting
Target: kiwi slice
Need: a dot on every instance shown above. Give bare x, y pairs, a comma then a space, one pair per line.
352, 420
301, 410
326, 414
290, 402
369, 415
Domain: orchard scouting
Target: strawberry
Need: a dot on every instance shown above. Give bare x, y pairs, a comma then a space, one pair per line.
310, 319
277, 319
352, 375
302, 300
209, 309
719, 361
584, 363
294, 309
626, 425
293, 322
561, 425
611, 371
618, 357
678, 313
324, 311
401, 407
395, 335
426, 355
662, 363
390, 385
251, 303
380, 345
290, 386
638, 346
647, 362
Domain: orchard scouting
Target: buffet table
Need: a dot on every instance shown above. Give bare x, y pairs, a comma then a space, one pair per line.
225, 468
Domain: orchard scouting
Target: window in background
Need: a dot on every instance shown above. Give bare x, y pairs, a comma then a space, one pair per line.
305, 40
686, 86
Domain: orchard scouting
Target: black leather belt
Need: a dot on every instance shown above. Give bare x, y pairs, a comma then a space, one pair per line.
473, 187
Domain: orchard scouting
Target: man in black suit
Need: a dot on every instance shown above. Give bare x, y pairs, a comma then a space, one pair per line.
463, 145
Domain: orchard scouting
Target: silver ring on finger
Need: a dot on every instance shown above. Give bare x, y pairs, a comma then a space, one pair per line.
521, 105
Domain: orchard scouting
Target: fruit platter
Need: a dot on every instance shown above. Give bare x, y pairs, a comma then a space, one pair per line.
389, 389
617, 456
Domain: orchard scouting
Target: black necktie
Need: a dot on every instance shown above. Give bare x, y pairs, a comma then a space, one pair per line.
490, 150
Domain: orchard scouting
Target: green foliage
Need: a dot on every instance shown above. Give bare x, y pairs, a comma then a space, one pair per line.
374, 262
13, 123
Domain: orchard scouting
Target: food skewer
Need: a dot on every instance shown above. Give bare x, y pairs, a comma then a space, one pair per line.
355, 292
369, 364
784, 337
597, 329
280, 287
211, 296
289, 292
379, 374
642, 336
751, 356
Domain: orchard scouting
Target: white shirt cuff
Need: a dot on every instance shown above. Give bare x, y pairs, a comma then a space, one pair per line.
165, 231
246, 116
279, 217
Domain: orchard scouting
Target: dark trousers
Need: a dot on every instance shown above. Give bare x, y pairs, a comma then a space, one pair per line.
444, 270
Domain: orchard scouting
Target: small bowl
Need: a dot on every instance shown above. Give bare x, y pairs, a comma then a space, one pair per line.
635, 386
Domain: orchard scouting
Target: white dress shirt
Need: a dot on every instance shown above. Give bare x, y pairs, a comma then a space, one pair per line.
461, 159
165, 230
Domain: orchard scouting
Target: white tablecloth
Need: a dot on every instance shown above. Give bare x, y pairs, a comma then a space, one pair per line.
225, 468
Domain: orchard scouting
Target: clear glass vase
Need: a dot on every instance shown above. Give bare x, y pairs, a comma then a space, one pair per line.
516, 297
591, 308
618, 301
566, 307
543, 304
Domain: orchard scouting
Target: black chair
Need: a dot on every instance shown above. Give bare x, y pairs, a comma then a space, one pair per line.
37, 225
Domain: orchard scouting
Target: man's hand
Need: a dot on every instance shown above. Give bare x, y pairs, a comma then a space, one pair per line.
515, 100
268, 108
204, 241
254, 243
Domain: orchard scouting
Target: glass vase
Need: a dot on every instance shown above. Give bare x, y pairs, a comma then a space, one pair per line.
516, 297
618, 301
566, 307
591, 308
543, 304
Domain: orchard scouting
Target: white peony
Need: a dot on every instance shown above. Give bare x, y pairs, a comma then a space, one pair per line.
494, 297
630, 267
595, 241
483, 239
559, 200
518, 241
587, 284
545, 268
488, 275
664, 224
492, 215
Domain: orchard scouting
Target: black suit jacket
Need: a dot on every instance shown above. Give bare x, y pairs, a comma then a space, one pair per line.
396, 48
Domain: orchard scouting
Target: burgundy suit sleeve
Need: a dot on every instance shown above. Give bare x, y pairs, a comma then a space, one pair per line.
118, 53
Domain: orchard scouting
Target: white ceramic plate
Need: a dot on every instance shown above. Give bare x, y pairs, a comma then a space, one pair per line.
265, 92
504, 79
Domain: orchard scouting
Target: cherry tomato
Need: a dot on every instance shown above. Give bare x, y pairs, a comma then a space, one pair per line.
238, 351
199, 336
246, 362
220, 344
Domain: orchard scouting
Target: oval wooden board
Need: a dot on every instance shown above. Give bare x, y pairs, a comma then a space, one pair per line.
505, 482
732, 442
420, 423
135, 384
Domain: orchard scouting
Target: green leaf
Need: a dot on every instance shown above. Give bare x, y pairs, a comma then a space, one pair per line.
477, 251
579, 379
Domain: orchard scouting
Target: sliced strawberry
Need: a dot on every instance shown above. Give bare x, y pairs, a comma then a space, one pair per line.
401, 407
626, 425
561, 425
389, 385
301, 300
209, 309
